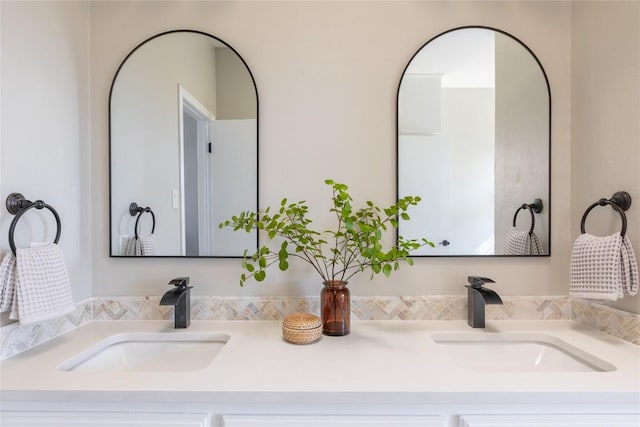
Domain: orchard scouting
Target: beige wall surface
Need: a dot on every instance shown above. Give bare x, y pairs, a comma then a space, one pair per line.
327, 75
45, 139
605, 150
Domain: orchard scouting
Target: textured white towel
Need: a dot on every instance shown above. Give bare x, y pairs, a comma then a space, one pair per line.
134, 248
42, 285
149, 247
7, 281
519, 242
603, 268
142, 246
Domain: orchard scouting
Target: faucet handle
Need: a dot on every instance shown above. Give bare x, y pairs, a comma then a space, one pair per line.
477, 281
180, 282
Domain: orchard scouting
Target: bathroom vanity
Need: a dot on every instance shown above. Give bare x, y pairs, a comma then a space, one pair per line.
385, 373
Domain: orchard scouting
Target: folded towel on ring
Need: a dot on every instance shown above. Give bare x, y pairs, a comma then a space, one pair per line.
603, 268
7, 281
142, 246
519, 242
36, 283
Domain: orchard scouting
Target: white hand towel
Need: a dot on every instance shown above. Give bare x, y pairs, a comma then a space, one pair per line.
7, 281
134, 248
149, 247
629, 271
519, 242
142, 246
42, 285
603, 268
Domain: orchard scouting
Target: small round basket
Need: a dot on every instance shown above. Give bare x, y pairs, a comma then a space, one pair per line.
301, 328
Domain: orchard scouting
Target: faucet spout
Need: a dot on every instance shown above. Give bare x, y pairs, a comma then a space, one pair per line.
477, 299
180, 298
489, 296
173, 296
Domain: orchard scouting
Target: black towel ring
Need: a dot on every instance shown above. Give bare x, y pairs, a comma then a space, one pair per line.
620, 202
536, 207
17, 205
134, 210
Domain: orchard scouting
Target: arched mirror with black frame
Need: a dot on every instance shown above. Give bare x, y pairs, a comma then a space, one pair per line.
183, 146
474, 142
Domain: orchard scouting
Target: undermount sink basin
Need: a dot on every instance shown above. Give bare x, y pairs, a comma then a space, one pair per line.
518, 352
149, 352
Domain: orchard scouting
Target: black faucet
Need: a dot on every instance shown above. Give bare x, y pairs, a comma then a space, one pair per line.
179, 297
477, 298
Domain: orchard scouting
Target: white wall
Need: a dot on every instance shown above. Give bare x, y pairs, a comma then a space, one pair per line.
605, 150
45, 143
233, 187
468, 125
327, 76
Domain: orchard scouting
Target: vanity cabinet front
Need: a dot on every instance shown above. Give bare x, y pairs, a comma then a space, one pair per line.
334, 415
81, 418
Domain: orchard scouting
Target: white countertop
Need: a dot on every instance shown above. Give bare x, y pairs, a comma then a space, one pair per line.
379, 362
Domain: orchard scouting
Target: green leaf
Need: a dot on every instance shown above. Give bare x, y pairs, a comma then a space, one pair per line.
282, 255
355, 244
386, 270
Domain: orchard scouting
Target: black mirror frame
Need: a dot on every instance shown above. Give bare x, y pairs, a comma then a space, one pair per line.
253, 80
546, 79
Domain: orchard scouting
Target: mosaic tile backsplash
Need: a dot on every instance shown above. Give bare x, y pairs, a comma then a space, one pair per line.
609, 320
362, 308
15, 339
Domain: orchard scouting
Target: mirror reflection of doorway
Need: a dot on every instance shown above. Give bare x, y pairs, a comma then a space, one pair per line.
212, 187
197, 176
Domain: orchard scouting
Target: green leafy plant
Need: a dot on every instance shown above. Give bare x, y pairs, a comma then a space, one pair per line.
355, 245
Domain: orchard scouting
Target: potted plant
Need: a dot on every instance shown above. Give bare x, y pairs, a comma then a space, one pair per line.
354, 246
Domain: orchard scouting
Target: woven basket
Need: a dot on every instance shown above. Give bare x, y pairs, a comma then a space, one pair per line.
301, 328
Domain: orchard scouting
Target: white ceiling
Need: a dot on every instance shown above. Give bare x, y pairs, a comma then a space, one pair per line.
465, 58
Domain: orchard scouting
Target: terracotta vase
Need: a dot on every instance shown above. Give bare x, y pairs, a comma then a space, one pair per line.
335, 308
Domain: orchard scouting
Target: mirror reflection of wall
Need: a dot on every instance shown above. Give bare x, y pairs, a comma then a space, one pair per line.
474, 143
183, 141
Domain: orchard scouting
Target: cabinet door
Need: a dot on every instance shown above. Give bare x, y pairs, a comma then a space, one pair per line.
555, 420
102, 419
333, 421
